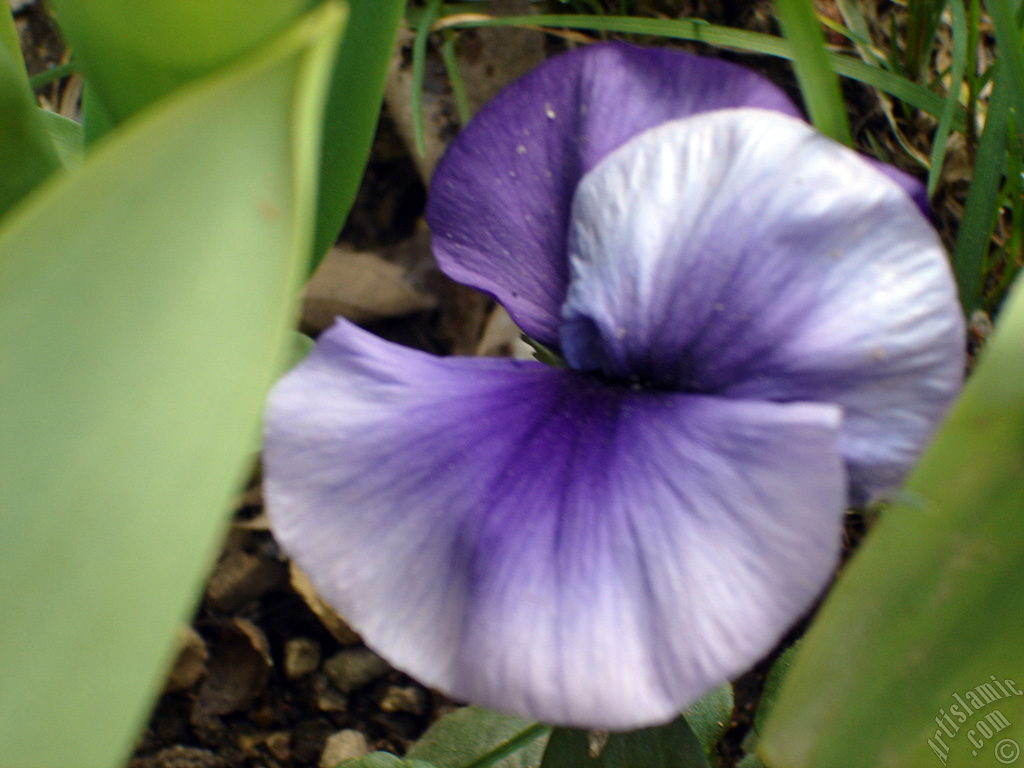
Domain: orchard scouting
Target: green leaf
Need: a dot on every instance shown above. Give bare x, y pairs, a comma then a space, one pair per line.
930, 607
145, 300
957, 68
382, 760
27, 156
9, 41
66, 136
973, 240
357, 88
132, 53
475, 737
772, 687
1011, 51
818, 84
709, 716
750, 761
667, 746
431, 11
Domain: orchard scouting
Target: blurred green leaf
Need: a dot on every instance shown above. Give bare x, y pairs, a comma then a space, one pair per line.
930, 607
27, 155
9, 39
772, 688
382, 760
472, 736
818, 84
666, 746
66, 136
145, 300
357, 88
132, 53
709, 716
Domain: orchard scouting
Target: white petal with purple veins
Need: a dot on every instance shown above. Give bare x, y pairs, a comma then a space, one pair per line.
742, 254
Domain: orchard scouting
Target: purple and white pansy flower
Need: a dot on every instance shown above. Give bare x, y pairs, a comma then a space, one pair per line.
757, 325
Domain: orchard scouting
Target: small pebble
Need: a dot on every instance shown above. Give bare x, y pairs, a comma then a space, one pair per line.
279, 745
327, 697
343, 745
399, 698
301, 656
354, 667
248, 744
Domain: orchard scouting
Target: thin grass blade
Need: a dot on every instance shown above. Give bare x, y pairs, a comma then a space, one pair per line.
982, 206
818, 84
915, 95
958, 66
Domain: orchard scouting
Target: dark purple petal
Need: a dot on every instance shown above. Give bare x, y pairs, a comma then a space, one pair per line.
536, 541
499, 201
743, 254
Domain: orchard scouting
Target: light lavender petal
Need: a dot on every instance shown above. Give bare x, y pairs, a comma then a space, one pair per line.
539, 542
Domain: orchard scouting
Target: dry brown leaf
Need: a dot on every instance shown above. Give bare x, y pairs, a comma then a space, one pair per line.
502, 338
237, 671
190, 665
240, 578
332, 622
489, 59
360, 286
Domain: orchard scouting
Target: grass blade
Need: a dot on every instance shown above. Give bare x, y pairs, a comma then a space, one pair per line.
915, 95
419, 59
958, 66
818, 83
972, 243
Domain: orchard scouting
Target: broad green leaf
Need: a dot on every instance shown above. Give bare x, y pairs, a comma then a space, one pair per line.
667, 746
818, 84
383, 760
145, 300
709, 716
928, 614
357, 88
66, 136
9, 41
477, 738
772, 688
27, 156
132, 53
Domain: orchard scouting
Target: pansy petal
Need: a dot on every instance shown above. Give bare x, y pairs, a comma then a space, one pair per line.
743, 254
540, 542
499, 200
